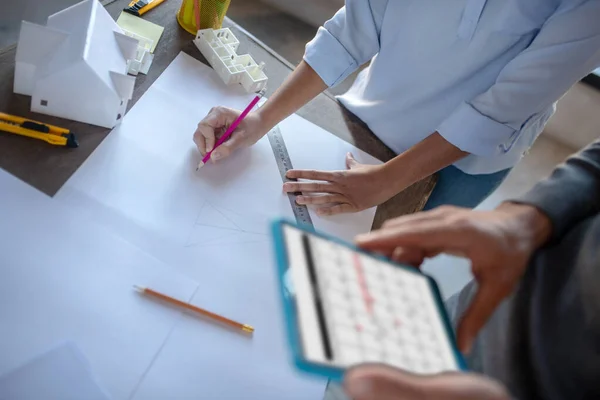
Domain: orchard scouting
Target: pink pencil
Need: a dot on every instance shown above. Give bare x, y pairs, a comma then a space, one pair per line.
232, 127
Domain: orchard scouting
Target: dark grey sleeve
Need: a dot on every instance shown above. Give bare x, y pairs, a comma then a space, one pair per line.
571, 193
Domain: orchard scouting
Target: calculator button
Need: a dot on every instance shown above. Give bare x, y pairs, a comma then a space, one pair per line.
350, 355
342, 317
370, 341
382, 313
366, 324
408, 363
433, 358
405, 336
328, 271
399, 301
371, 270
382, 296
337, 299
377, 288
429, 340
373, 357
334, 283
393, 348
359, 306
395, 362
346, 335
353, 289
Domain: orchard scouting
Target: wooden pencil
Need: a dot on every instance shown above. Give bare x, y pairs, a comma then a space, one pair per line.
189, 307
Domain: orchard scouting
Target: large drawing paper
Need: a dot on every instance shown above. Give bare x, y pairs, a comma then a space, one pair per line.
212, 225
61, 373
64, 278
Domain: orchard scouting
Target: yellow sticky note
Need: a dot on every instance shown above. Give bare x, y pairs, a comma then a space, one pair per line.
137, 27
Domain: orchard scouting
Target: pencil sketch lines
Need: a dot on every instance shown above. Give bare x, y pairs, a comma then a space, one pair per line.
215, 226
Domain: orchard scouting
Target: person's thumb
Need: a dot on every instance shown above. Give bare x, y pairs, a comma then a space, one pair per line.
234, 142
379, 382
483, 305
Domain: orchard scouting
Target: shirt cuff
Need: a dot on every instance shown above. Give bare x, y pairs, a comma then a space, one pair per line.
475, 133
328, 57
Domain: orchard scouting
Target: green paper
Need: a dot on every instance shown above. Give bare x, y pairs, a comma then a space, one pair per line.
141, 27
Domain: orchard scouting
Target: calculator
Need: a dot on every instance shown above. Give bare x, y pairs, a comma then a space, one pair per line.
344, 306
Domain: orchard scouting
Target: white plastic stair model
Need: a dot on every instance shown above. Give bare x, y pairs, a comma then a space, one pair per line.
219, 46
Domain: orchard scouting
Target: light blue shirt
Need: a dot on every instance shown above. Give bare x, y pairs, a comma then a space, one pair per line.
485, 74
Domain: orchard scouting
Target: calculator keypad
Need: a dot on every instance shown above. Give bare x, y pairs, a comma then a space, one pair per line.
376, 312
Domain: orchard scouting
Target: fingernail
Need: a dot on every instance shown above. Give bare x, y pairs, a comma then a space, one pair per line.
216, 155
286, 186
299, 199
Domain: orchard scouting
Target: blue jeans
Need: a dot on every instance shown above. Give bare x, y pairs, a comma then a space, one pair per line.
457, 188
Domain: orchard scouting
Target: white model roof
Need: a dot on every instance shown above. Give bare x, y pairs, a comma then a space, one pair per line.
47, 41
84, 32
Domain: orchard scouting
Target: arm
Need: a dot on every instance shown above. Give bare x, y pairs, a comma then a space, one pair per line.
571, 193
348, 40
499, 243
420, 161
565, 50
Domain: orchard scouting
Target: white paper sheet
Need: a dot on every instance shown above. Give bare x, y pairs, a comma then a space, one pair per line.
212, 225
61, 373
62, 277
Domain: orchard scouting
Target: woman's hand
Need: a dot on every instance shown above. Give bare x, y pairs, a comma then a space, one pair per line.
378, 382
499, 244
355, 189
215, 124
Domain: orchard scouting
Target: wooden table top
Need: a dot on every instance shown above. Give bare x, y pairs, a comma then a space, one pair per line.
48, 167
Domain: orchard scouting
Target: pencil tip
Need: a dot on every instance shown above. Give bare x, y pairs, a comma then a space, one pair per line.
200, 166
138, 288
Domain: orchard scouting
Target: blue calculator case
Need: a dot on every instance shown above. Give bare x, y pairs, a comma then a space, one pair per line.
289, 306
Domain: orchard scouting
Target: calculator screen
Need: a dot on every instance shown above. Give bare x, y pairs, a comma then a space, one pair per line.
353, 308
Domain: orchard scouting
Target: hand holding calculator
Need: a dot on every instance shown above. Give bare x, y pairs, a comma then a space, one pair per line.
346, 307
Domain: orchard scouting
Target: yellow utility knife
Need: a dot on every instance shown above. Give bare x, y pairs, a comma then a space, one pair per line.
37, 130
139, 7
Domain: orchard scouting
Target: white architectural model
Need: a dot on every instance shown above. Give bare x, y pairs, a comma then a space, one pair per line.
219, 46
143, 56
75, 67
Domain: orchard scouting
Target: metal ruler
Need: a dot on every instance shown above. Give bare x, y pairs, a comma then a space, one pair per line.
284, 163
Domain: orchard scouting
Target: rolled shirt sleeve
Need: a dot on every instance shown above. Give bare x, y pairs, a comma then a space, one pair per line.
346, 41
566, 48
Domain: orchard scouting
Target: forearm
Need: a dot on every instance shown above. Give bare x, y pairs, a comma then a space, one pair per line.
298, 89
571, 193
422, 160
